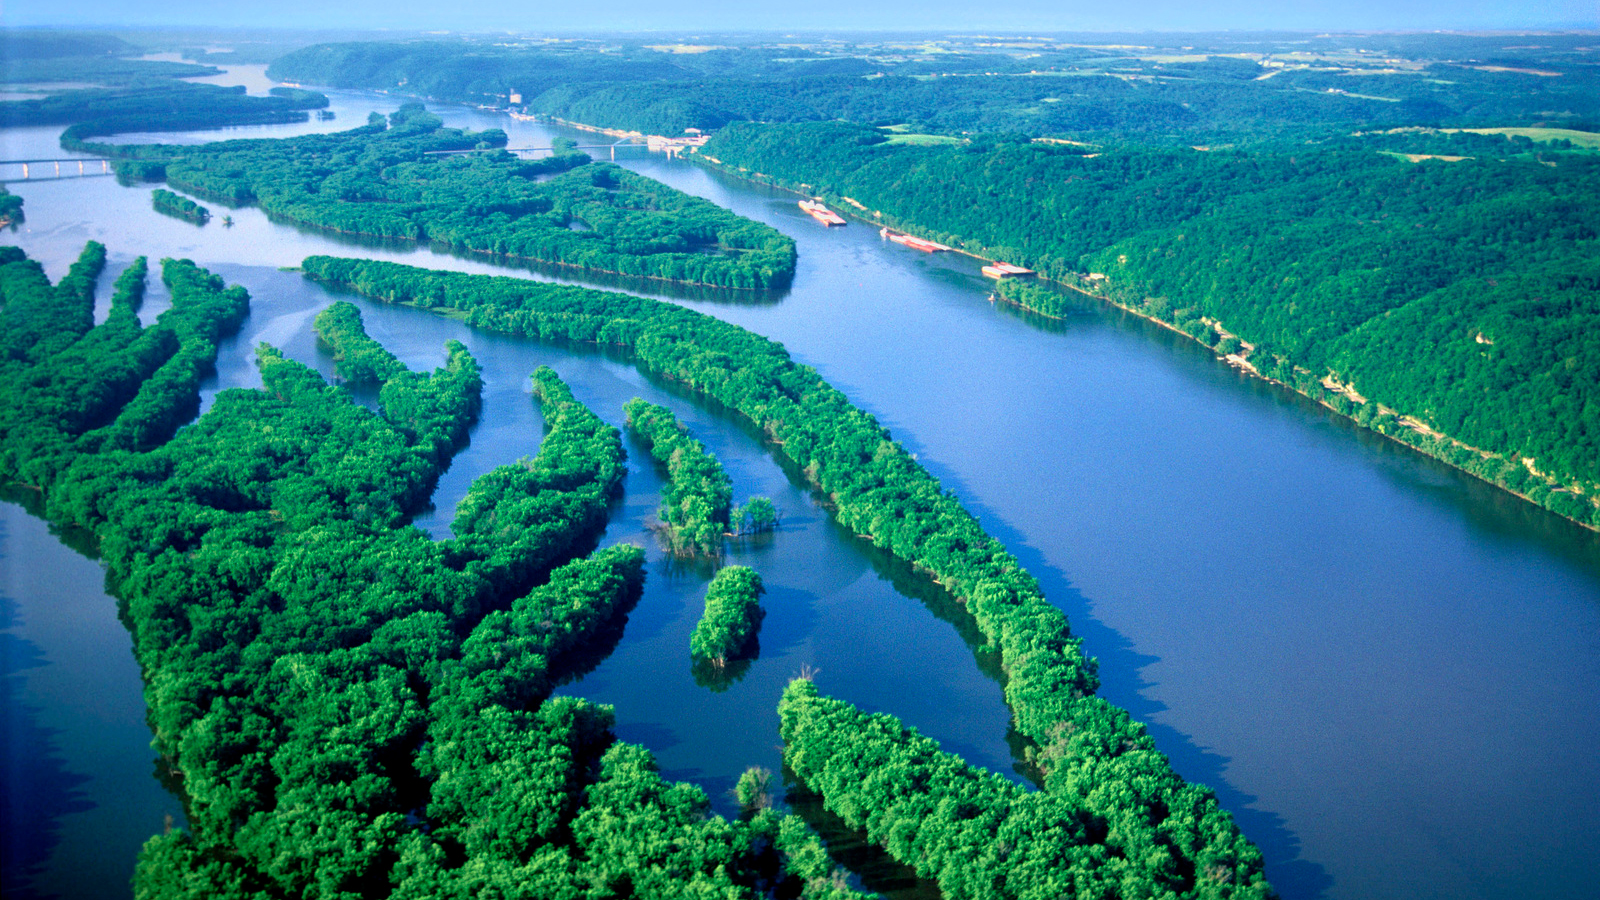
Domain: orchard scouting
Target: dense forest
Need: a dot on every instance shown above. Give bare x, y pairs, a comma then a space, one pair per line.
1314, 208
347, 707
1168, 88
400, 179
154, 106
1136, 809
34, 56
1456, 291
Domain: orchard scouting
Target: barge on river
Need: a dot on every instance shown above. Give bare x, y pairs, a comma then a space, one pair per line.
816, 210
1006, 270
915, 243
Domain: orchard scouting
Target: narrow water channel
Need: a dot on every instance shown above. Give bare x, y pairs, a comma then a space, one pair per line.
1389, 671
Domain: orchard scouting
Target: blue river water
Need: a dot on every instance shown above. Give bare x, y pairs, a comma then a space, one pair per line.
1388, 670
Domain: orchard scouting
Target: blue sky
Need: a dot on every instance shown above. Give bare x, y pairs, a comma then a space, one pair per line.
728, 15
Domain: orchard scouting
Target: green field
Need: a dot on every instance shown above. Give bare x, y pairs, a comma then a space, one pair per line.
1588, 139
923, 140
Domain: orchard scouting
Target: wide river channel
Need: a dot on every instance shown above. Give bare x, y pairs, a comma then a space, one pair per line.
1387, 670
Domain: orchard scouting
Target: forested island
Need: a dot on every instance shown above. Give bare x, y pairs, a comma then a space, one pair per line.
153, 105
1153, 832
347, 707
732, 617
404, 179
179, 207
157, 106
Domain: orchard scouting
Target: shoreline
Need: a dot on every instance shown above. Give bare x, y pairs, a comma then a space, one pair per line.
1409, 423
1236, 361
957, 246
461, 249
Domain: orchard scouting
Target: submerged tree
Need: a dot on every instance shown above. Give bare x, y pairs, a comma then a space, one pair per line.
717, 676
756, 516
754, 790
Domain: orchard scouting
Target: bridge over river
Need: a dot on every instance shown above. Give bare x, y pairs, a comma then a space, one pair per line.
52, 169
670, 146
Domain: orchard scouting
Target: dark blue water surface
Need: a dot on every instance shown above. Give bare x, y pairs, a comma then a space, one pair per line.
1388, 670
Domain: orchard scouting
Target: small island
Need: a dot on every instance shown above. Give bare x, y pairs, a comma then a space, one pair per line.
697, 502
179, 207
727, 629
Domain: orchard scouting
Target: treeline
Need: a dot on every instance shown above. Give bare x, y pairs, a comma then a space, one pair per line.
349, 708
1110, 92
97, 70
47, 44
1034, 296
981, 836
388, 183
43, 56
178, 207
461, 71
1448, 144
155, 106
1081, 744
1459, 294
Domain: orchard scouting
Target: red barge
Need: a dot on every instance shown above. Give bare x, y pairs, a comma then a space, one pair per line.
915, 243
826, 216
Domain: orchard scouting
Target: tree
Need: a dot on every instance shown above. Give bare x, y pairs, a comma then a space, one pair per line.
732, 616
754, 790
756, 516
